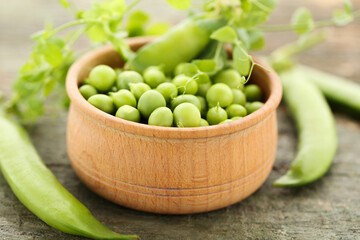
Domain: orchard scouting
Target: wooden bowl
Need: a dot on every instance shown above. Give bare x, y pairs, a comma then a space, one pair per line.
169, 170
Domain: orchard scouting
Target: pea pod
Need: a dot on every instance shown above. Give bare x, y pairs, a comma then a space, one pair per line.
39, 190
181, 44
340, 92
316, 130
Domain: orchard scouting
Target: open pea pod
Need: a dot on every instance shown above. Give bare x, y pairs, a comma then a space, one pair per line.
39, 190
180, 44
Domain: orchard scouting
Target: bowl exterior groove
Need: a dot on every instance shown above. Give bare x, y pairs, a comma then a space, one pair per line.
169, 170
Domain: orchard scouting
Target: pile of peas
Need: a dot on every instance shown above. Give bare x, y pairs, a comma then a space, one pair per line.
182, 101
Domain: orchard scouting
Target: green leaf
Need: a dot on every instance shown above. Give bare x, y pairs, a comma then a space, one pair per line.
136, 23
202, 78
225, 34
123, 48
302, 21
49, 86
190, 69
241, 60
158, 29
65, 3
243, 80
256, 39
97, 33
206, 65
179, 4
246, 5
348, 6
243, 37
52, 54
342, 17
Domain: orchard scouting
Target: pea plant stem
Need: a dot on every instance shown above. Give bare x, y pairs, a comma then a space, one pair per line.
67, 25
286, 27
294, 48
133, 4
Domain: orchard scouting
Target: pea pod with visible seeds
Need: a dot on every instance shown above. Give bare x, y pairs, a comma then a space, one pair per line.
316, 130
181, 44
39, 190
340, 92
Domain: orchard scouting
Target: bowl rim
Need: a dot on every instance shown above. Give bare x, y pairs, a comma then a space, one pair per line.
128, 127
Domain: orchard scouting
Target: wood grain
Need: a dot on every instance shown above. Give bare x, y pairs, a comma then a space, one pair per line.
169, 170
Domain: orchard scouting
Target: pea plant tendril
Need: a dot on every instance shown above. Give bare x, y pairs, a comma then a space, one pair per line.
40, 85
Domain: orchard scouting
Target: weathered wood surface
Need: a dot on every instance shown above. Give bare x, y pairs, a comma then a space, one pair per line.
327, 209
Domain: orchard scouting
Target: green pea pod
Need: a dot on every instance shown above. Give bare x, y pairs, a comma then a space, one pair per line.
339, 91
39, 190
181, 44
316, 130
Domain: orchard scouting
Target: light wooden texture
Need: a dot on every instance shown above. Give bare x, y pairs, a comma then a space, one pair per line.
169, 170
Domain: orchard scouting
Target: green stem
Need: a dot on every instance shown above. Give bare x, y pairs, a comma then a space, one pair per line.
262, 6
319, 24
133, 4
218, 51
71, 24
251, 69
294, 48
77, 34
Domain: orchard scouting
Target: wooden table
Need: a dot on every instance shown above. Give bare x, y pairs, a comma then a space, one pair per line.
327, 209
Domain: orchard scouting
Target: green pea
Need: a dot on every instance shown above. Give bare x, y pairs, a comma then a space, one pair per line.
203, 108
154, 76
168, 90
185, 98
161, 116
235, 118
230, 77
125, 78
118, 71
102, 102
236, 110
102, 77
185, 84
87, 91
203, 88
187, 115
253, 93
150, 101
128, 113
226, 121
239, 97
219, 94
179, 69
204, 123
123, 97
216, 115
253, 106
138, 89
114, 89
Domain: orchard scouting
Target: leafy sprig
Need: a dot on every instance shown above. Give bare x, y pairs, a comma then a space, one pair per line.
40, 85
